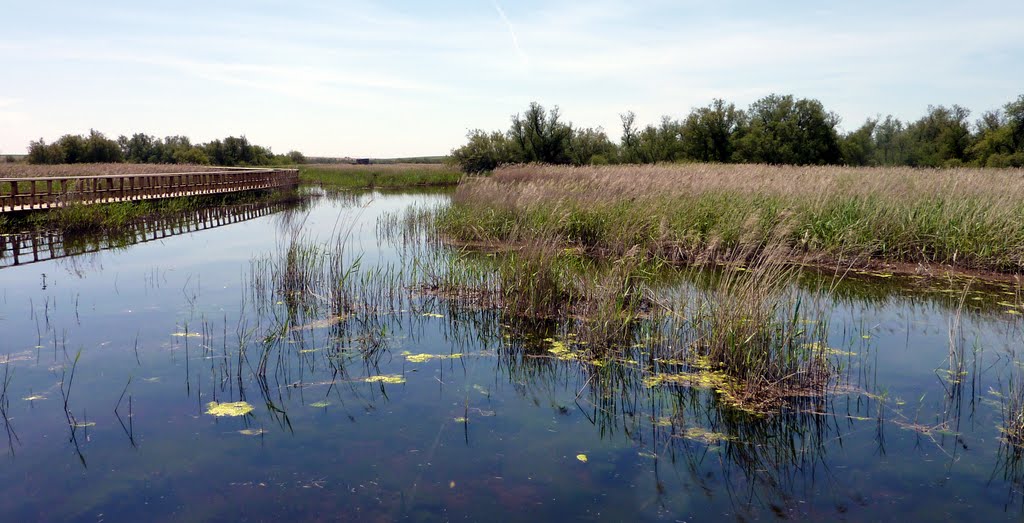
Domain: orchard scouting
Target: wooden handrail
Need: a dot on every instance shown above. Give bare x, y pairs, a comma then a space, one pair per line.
17, 194
220, 170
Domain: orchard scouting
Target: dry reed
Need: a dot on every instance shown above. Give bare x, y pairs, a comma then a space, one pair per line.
968, 218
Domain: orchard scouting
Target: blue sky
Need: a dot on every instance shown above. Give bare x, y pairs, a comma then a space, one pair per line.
405, 78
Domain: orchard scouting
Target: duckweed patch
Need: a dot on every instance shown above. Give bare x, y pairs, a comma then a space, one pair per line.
231, 409
703, 435
385, 378
422, 358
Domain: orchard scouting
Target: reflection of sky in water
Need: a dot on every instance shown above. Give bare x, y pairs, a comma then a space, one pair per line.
385, 451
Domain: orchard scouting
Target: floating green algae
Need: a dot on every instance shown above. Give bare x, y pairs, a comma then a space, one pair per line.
422, 358
704, 436
385, 378
238, 408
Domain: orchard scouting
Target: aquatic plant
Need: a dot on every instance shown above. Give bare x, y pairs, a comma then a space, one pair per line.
389, 378
230, 409
1013, 410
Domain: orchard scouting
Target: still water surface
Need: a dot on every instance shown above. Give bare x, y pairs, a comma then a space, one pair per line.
503, 431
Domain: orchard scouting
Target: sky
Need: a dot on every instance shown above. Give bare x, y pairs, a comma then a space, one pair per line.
410, 78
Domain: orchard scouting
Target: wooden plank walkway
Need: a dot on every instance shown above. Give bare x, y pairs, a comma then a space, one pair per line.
24, 194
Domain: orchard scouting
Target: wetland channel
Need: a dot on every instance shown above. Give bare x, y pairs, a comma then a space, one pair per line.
126, 364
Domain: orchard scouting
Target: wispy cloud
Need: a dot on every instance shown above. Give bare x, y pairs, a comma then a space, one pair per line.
406, 77
525, 60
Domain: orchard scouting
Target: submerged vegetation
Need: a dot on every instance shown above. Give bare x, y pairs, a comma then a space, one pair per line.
967, 218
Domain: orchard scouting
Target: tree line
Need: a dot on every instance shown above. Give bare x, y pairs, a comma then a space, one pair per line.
142, 148
777, 129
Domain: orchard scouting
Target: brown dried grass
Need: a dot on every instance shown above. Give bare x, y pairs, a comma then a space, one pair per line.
968, 218
379, 167
23, 170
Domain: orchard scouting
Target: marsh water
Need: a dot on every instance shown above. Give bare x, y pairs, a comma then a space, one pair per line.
415, 409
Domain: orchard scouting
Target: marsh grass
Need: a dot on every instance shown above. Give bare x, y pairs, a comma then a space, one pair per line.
1013, 411
347, 176
751, 334
967, 218
745, 331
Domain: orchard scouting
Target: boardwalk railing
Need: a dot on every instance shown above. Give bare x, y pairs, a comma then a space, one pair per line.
20, 194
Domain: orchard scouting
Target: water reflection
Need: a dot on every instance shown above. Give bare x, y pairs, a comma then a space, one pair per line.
479, 414
40, 246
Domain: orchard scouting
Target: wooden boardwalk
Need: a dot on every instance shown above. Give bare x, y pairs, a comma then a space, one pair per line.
25, 194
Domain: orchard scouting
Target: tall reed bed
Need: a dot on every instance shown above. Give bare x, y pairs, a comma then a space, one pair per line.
968, 218
379, 175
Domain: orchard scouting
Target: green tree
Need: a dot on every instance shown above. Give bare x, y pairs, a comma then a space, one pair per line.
630, 141
190, 155
540, 136
940, 138
483, 152
73, 147
41, 153
783, 130
891, 142
660, 144
858, 147
1015, 120
709, 133
140, 148
590, 146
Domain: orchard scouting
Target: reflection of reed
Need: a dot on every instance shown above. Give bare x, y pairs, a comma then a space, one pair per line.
1009, 465
765, 461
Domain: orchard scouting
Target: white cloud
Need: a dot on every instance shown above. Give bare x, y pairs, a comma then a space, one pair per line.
358, 69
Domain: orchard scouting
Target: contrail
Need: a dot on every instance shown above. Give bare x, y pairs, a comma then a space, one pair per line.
511, 30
